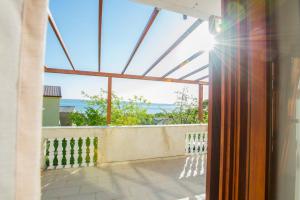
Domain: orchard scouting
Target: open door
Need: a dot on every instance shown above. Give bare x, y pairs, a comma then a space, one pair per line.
239, 104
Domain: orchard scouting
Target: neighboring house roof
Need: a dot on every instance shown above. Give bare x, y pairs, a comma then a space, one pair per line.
52, 91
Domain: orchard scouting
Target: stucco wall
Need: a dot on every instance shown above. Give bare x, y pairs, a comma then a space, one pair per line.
132, 143
51, 111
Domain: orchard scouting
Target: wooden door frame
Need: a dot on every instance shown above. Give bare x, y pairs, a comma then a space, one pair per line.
238, 138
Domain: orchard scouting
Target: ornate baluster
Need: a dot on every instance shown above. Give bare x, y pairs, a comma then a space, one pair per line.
189, 149
72, 145
64, 152
55, 160
199, 143
194, 143
79, 160
87, 144
76, 153
59, 154
83, 154
51, 153
203, 142
47, 153
68, 153
95, 158
186, 143
91, 151
71, 152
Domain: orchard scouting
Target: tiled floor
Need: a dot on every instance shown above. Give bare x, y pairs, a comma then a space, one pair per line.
175, 179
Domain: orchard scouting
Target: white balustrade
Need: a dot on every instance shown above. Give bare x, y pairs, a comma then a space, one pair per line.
196, 143
70, 152
91, 146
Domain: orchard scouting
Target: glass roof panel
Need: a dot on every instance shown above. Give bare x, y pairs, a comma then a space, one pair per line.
198, 75
167, 28
55, 56
193, 43
77, 22
123, 23
190, 67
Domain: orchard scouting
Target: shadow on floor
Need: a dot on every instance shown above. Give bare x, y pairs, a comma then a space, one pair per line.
174, 179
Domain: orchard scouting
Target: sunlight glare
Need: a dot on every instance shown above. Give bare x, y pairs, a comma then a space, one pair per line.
205, 39
209, 42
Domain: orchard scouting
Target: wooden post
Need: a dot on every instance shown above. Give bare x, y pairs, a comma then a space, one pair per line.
200, 103
109, 94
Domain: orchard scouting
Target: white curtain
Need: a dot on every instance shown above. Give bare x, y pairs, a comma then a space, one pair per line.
22, 42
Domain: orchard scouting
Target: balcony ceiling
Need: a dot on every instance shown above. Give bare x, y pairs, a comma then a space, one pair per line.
197, 8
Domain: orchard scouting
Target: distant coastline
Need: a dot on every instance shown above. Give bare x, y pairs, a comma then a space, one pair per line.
80, 106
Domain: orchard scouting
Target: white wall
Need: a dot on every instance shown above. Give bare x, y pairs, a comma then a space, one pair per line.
138, 143
132, 143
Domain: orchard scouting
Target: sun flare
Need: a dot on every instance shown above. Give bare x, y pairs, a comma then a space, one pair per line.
209, 42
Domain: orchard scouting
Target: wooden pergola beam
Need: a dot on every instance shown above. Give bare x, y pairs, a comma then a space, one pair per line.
59, 37
142, 37
182, 64
175, 44
100, 11
109, 98
194, 72
123, 76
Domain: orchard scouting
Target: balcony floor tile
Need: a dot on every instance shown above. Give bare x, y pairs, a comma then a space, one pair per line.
174, 179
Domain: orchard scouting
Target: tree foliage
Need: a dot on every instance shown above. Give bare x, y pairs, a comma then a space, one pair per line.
186, 111
129, 113
134, 111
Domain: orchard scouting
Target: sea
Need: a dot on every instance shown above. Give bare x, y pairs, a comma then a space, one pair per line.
153, 108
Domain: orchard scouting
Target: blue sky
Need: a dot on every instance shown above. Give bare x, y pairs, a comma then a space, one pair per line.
123, 22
